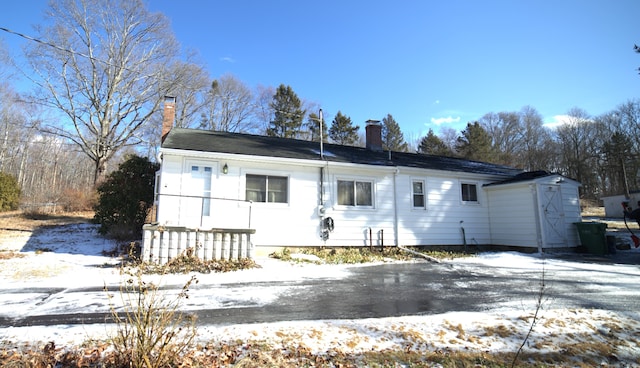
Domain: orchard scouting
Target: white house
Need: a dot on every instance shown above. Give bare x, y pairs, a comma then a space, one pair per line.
275, 192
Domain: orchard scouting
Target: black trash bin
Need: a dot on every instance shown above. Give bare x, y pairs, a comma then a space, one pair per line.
593, 237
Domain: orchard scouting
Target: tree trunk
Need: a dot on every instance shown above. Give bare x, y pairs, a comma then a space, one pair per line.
100, 171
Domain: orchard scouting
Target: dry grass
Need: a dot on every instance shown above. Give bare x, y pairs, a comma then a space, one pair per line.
30, 221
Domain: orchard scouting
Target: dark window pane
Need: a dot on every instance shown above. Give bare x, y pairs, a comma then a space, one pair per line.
364, 195
345, 193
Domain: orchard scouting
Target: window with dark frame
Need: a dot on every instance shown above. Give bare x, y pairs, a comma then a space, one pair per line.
267, 188
469, 192
355, 193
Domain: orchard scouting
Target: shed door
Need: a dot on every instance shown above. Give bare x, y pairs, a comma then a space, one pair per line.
552, 214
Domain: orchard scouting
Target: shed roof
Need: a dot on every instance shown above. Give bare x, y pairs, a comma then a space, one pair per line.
258, 145
527, 177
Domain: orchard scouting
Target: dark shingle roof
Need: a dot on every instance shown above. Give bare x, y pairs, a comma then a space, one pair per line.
257, 145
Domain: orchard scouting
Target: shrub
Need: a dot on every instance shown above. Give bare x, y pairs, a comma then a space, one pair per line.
9, 192
150, 330
125, 197
76, 200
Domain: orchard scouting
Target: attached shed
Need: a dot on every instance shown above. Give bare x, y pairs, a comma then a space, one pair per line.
534, 209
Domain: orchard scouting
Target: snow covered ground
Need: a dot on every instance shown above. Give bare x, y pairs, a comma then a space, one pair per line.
71, 256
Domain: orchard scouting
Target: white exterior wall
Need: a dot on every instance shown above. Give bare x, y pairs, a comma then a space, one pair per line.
297, 223
352, 223
507, 214
513, 216
445, 214
516, 214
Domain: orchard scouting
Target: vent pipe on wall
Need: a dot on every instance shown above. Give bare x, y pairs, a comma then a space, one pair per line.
320, 117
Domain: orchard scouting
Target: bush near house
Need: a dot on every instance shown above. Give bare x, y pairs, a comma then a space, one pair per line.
125, 197
9, 192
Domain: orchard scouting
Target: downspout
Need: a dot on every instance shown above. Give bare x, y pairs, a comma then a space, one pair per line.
396, 236
322, 186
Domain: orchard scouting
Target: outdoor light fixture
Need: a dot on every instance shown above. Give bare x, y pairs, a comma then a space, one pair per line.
225, 169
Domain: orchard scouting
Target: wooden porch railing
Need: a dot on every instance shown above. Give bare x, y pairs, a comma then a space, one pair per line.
163, 243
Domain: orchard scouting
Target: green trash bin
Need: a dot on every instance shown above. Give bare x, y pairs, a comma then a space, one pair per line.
593, 237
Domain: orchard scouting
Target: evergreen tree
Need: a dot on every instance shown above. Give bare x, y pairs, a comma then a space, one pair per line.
431, 144
343, 131
392, 137
9, 192
475, 144
313, 126
125, 197
288, 113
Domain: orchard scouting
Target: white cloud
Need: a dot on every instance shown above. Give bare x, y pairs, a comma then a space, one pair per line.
436, 102
228, 59
448, 120
558, 120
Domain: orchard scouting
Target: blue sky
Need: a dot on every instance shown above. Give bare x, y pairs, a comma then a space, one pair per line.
430, 64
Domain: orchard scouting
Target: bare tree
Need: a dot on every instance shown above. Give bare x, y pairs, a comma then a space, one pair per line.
190, 88
230, 106
504, 129
103, 67
264, 110
536, 147
579, 153
449, 136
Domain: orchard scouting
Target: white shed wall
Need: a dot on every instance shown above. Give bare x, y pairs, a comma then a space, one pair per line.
513, 216
516, 221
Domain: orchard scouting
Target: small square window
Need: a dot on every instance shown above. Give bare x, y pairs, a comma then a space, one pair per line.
469, 192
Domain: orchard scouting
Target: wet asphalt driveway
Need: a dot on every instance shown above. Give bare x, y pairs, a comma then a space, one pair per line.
426, 288
402, 289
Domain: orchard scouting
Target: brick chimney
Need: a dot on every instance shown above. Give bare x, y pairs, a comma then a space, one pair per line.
374, 135
169, 115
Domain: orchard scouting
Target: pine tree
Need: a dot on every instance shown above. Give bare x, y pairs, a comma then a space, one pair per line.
431, 144
343, 131
475, 144
392, 137
288, 114
313, 126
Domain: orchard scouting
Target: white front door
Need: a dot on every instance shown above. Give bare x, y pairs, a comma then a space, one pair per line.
552, 214
197, 195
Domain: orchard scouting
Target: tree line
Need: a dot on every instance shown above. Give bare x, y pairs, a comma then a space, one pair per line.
99, 83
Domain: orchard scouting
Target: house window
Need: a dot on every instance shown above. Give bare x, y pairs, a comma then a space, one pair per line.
265, 188
469, 192
417, 190
355, 193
